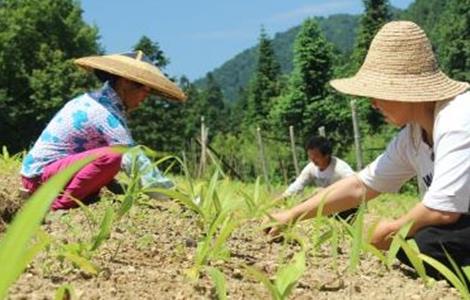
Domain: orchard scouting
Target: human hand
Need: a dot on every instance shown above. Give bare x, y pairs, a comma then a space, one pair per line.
281, 219
383, 233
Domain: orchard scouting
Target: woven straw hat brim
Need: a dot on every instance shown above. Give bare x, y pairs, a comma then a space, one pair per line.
411, 88
135, 70
400, 66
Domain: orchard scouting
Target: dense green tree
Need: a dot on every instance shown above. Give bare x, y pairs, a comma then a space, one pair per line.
427, 14
157, 123
313, 58
237, 111
264, 85
453, 39
376, 14
212, 106
38, 40
191, 115
153, 52
236, 73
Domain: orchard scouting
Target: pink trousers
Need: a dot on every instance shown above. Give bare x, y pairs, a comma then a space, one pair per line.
85, 183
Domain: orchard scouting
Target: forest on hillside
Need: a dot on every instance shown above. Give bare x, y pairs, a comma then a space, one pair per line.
284, 81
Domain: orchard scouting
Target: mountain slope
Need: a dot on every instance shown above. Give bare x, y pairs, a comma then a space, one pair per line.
234, 74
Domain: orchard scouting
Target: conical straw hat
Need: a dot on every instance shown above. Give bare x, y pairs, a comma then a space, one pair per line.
134, 66
400, 66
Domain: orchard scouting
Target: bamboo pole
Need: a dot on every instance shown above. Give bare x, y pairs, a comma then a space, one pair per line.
203, 160
357, 136
292, 146
263, 157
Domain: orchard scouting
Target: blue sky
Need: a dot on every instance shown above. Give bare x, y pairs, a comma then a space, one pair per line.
199, 36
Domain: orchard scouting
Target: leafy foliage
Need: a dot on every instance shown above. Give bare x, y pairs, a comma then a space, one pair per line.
313, 61
37, 42
264, 85
235, 73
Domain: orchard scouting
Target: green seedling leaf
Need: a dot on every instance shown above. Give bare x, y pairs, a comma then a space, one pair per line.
447, 273
65, 292
217, 203
212, 185
376, 252
81, 262
261, 277
180, 197
324, 237
219, 282
43, 241
411, 250
395, 245
257, 191
105, 229
357, 238
456, 268
13, 246
288, 276
88, 213
227, 228
466, 271
126, 204
248, 202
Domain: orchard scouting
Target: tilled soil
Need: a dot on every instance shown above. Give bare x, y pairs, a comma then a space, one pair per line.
151, 249
10, 200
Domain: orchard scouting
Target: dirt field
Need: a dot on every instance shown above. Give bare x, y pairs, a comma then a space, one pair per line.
151, 249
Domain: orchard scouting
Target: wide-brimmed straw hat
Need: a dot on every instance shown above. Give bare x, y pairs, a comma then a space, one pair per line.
400, 66
137, 67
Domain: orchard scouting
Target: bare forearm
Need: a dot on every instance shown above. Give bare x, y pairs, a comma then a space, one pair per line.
421, 216
340, 196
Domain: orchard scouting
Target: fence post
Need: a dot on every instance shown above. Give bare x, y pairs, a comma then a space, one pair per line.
263, 157
292, 146
202, 163
357, 136
321, 131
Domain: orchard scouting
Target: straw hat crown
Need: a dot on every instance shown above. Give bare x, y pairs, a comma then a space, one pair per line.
400, 66
137, 67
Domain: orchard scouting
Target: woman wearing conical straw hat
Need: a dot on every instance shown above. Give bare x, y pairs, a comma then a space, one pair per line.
401, 78
95, 122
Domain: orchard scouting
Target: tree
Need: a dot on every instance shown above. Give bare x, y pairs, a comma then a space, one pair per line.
38, 40
213, 105
152, 51
376, 14
427, 14
453, 39
264, 85
157, 123
313, 59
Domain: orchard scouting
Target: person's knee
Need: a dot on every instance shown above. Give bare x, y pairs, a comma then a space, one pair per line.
109, 158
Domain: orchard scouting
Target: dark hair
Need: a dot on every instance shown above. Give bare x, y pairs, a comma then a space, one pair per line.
321, 143
105, 76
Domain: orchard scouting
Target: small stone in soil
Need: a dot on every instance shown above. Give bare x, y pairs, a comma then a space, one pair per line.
189, 242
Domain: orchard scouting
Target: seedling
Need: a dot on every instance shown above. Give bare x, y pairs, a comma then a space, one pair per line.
286, 277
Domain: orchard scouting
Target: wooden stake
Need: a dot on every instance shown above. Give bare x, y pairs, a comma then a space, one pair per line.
357, 136
202, 163
294, 153
263, 158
